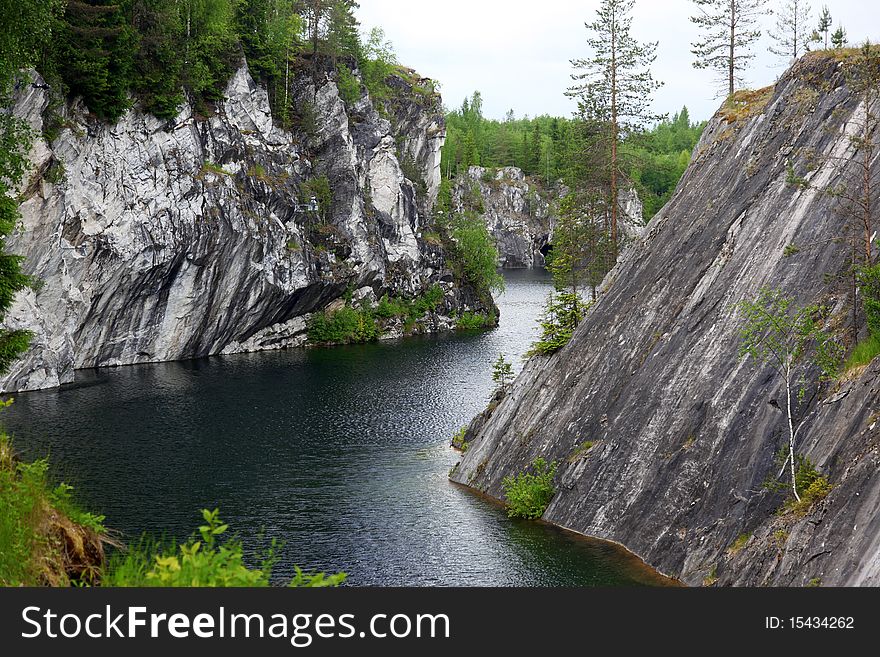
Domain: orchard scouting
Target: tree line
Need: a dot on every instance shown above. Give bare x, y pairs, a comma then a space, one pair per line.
165, 51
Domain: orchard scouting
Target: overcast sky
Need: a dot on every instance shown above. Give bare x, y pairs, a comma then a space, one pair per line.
517, 53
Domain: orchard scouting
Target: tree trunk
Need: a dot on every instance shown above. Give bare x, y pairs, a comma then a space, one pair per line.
790, 431
615, 131
731, 78
868, 147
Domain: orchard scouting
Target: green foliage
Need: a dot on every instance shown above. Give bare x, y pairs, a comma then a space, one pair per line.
469, 321
656, 160
16, 51
581, 451
29, 505
377, 63
778, 333
410, 310
863, 353
475, 256
344, 326
95, 55
458, 440
869, 283
811, 495
551, 149
529, 493
582, 251
348, 84
562, 315
205, 560
738, 545
318, 188
502, 375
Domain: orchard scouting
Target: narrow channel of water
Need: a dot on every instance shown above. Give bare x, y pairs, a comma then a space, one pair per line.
342, 454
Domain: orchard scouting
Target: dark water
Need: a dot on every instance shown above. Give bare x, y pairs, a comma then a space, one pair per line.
342, 454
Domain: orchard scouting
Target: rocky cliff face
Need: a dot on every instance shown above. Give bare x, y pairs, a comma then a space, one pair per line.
521, 215
156, 241
685, 433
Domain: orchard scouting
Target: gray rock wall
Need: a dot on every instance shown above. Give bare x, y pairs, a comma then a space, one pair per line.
684, 432
156, 241
521, 215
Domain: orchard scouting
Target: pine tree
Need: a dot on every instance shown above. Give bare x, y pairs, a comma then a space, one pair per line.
793, 32
825, 23
502, 375
730, 31
342, 30
95, 55
614, 87
839, 38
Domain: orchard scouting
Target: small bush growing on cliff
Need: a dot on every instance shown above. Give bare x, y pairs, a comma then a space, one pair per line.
474, 321
205, 560
475, 257
344, 326
348, 84
529, 494
411, 310
563, 314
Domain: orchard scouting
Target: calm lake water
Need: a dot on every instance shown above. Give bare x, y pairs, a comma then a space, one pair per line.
342, 454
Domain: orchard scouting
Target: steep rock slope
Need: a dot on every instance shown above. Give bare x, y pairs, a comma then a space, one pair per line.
156, 241
684, 432
521, 215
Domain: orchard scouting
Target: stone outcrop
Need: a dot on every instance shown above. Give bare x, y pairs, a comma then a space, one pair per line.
154, 241
684, 433
521, 214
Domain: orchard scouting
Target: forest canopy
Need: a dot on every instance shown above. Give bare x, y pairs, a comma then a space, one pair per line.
551, 149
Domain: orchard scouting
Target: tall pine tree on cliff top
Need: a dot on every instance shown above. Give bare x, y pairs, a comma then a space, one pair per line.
614, 87
729, 32
793, 31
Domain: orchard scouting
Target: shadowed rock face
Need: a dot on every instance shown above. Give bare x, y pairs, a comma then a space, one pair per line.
521, 215
684, 431
160, 241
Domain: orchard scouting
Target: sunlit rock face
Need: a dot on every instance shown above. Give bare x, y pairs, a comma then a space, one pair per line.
154, 241
684, 431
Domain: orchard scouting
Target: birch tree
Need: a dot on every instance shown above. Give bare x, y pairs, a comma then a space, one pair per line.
793, 30
730, 30
614, 86
778, 334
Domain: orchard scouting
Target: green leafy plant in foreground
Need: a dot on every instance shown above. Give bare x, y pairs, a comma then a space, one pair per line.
529, 494
205, 560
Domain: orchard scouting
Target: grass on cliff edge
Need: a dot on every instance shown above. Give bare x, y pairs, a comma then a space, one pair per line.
45, 539
863, 354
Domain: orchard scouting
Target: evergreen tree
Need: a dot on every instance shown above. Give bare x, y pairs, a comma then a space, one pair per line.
342, 30
614, 87
729, 32
95, 55
793, 32
825, 23
158, 68
502, 375
27, 29
839, 38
